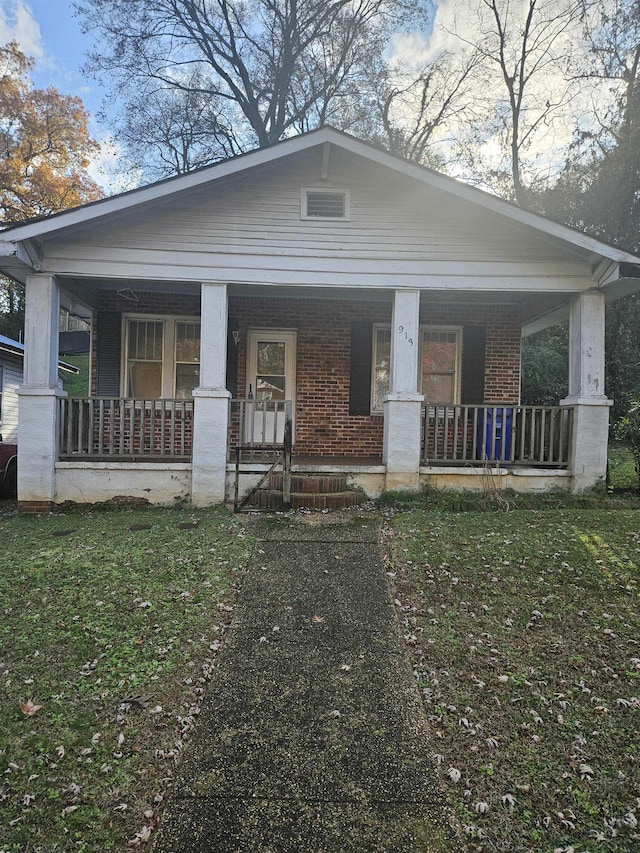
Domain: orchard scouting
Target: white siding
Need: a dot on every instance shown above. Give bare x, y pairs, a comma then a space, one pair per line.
249, 229
12, 373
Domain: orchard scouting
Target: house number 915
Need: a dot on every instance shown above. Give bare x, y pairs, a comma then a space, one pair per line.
406, 335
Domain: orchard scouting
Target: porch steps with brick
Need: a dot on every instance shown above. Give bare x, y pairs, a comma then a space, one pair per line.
308, 491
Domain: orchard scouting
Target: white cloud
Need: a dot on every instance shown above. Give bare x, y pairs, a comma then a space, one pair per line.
18, 23
458, 26
107, 168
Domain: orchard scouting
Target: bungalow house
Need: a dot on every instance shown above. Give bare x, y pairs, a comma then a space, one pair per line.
375, 306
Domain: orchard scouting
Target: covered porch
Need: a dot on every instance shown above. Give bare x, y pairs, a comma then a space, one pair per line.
166, 449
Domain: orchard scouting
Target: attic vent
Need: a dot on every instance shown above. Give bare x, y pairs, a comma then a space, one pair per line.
325, 204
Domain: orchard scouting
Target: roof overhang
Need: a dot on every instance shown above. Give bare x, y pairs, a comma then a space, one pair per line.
20, 247
619, 281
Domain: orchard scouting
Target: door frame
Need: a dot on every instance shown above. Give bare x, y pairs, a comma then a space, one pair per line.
290, 338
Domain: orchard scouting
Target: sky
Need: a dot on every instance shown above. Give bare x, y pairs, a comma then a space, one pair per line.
48, 31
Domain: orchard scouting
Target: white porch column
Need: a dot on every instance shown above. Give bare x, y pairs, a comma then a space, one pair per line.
586, 391
38, 395
403, 403
211, 401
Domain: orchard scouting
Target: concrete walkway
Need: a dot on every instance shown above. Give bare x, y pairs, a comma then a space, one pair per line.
312, 736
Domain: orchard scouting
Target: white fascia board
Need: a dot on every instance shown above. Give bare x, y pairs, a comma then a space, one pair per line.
551, 318
11, 249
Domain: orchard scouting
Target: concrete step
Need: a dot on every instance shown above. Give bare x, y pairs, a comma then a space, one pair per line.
271, 499
312, 483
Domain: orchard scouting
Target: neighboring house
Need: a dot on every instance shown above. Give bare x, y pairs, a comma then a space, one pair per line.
11, 359
378, 302
74, 343
11, 377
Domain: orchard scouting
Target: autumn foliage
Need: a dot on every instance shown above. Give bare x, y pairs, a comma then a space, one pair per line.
45, 145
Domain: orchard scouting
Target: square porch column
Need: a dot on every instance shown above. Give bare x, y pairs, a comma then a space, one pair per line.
211, 401
589, 440
403, 403
38, 396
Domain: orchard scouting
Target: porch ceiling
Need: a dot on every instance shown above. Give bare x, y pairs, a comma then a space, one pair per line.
87, 290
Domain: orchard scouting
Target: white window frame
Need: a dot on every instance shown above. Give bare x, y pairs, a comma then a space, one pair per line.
1, 389
168, 389
304, 192
422, 329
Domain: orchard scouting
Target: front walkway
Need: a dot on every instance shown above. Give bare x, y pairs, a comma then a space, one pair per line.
313, 736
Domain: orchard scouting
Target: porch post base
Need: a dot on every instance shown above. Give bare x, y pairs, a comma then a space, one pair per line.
209, 457
588, 462
37, 444
402, 440
395, 481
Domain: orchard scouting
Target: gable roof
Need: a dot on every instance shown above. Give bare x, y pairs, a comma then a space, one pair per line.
326, 136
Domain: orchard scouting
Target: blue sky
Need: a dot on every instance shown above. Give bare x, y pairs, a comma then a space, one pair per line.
49, 31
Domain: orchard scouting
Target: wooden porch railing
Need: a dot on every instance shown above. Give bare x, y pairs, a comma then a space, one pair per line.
526, 436
124, 428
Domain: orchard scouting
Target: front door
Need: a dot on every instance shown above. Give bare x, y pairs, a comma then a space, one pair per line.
271, 379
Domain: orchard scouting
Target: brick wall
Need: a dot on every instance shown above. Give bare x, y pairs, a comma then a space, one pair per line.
502, 355
165, 304
323, 424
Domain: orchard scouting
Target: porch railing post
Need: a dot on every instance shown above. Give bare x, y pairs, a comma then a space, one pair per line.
286, 474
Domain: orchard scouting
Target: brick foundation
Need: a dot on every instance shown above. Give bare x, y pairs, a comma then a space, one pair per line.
35, 507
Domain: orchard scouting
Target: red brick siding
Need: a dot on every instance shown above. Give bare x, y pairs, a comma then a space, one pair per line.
323, 424
502, 355
165, 304
35, 507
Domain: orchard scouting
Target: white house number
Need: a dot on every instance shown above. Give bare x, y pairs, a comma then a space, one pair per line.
402, 332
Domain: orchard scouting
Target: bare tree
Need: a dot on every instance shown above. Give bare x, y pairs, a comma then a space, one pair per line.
523, 47
174, 131
419, 115
611, 65
259, 70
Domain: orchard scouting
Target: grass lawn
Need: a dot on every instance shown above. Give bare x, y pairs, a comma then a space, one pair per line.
111, 621
622, 472
524, 628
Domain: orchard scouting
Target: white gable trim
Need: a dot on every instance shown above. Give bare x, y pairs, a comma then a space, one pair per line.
326, 135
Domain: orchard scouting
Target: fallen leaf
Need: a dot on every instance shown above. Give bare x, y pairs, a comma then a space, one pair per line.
69, 810
28, 708
317, 619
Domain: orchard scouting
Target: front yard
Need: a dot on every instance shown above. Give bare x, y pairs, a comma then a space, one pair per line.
523, 627
111, 620
524, 630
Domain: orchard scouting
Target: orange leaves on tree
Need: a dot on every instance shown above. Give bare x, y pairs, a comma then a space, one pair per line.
45, 145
